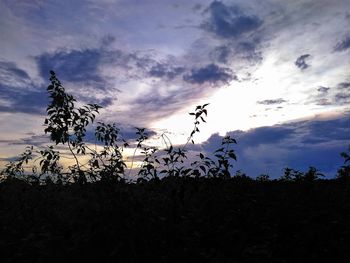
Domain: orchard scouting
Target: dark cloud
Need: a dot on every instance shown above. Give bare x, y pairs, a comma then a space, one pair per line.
33, 139
248, 50
86, 66
323, 90
209, 74
343, 44
342, 98
271, 102
229, 21
301, 62
343, 85
232, 51
9, 71
325, 131
19, 92
77, 65
14, 77
298, 145
165, 71
197, 7
26, 101
129, 133
107, 40
105, 102
222, 53
264, 135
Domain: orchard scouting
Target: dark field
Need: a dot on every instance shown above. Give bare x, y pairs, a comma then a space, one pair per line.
176, 220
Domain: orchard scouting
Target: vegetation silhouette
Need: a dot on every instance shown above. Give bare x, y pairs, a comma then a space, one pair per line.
173, 212
67, 125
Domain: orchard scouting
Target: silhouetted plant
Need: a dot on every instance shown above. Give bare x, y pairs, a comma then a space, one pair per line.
346, 155
296, 176
312, 174
150, 163
343, 172
263, 178
67, 125
291, 175
15, 168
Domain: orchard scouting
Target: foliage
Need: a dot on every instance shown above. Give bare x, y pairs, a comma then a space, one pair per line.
263, 178
67, 125
175, 219
297, 176
344, 171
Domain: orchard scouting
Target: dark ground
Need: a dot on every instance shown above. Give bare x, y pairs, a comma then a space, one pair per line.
176, 220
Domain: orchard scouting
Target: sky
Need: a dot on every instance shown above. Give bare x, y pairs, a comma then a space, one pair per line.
276, 73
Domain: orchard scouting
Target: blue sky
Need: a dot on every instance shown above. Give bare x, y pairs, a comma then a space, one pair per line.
276, 73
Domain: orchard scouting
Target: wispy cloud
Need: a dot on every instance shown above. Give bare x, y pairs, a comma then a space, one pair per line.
343, 85
272, 102
323, 90
301, 62
343, 44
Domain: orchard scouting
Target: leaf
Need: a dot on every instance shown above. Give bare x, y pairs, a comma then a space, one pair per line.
202, 168
232, 155
219, 150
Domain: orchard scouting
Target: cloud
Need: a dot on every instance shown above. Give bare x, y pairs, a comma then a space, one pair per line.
301, 62
78, 65
222, 53
233, 51
32, 139
342, 45
165, 71
12, 76
271, 102
89, 66
297, 145
209, 74
18, 92
197, 7
229, 21
342, 98
28, 101
323, 90
107, 40
323, 102
157, 104
343, 85
343, 95
339, 97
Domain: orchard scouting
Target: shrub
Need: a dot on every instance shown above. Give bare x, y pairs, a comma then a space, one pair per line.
67, 125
